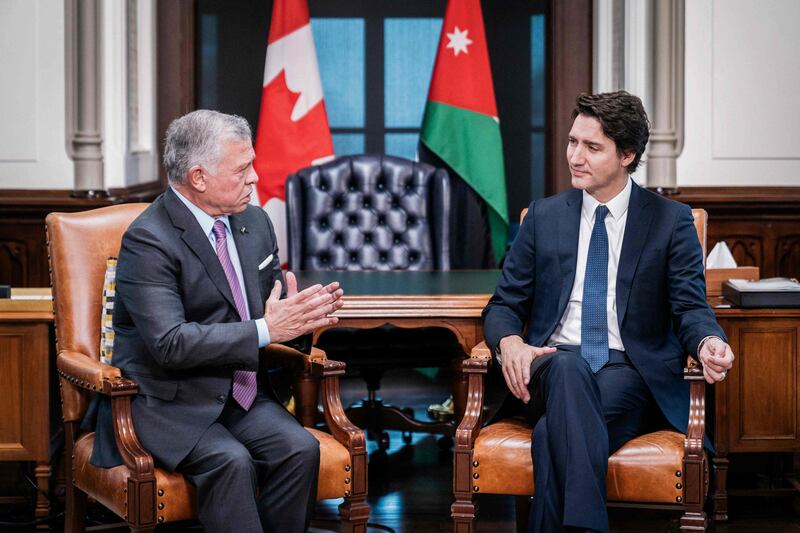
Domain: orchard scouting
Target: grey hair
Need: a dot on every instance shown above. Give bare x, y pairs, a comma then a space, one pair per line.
197, 138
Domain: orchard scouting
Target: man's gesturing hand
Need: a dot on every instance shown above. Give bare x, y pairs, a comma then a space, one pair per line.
717, 358
516, 359
300, 312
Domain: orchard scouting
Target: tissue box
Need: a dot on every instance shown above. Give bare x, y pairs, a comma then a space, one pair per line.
715, 277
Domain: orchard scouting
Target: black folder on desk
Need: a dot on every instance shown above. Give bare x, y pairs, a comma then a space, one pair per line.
771, 292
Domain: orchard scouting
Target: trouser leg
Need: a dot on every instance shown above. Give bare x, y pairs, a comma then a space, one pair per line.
627, 403
546, 513
288, 457
225, 476
575, 455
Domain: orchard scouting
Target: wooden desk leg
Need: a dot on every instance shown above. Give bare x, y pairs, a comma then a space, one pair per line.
306, 390
460, 383
42, 473
721, 488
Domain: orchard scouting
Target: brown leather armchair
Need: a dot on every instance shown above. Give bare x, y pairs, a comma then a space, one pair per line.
665, 469
142, 494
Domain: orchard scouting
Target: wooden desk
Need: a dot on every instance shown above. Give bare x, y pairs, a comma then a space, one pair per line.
25, 377
451, 300
757, 407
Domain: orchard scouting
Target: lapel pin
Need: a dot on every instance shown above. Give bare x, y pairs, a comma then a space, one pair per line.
243, 230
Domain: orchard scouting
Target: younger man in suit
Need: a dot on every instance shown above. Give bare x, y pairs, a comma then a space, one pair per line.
602, 295
198, 294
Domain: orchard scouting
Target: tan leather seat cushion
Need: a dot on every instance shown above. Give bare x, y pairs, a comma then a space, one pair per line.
179, 499
107, 485
335, 470
641, 471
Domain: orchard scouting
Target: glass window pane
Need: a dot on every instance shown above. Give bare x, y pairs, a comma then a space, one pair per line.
537, 71
207, 96
348, 143
537, 165
402, 144
409, 52
340, 54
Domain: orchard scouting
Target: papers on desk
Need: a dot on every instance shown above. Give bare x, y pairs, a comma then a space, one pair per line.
769, 292
31, 296
765, 285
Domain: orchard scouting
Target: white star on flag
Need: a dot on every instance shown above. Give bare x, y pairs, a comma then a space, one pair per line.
459, 41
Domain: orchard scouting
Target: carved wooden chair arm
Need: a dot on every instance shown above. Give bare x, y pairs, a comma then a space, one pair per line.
695, 432
292, 357
328, 371
475, 367
79, 371
86, 372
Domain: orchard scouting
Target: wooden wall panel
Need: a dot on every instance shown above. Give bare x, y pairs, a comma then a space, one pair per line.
761, 225
767, 392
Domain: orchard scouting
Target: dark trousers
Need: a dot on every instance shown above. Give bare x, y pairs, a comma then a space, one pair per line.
579, 419
254, 470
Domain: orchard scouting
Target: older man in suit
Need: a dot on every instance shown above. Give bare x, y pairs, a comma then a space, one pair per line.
199, 291
601, 297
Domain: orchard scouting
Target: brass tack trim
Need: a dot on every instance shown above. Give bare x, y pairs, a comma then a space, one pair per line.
161, 505
346, 468
160, 492
475, 488
475, 475
678, 499
346, 493
160, 519
476, 464
678, 486
347, 481
677, 473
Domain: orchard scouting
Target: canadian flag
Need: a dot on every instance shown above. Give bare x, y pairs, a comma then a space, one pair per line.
293, 129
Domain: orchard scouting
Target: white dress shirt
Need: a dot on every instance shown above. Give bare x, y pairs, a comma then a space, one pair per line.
568, 330
206, 222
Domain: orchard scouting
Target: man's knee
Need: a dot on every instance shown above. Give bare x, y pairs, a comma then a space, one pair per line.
569, 363
238, 460
305, 449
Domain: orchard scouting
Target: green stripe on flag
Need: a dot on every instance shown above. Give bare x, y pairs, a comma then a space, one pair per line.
470, 143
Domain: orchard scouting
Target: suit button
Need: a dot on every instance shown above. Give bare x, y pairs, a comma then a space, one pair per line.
221, 398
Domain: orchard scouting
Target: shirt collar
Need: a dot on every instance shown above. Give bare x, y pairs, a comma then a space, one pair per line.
617, 206
205, 220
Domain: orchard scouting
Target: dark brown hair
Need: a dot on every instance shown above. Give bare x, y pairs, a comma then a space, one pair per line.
623, 119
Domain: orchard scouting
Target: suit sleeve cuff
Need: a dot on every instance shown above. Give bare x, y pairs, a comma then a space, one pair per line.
263, 332
702, 342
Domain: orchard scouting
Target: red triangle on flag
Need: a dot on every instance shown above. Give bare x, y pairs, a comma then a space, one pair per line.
461, 75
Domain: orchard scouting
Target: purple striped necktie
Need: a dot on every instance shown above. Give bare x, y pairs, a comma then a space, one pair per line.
245, 384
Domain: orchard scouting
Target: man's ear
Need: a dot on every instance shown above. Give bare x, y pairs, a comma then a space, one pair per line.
196, 178
627, 158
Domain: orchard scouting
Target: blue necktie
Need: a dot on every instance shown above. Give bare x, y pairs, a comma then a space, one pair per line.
594, 310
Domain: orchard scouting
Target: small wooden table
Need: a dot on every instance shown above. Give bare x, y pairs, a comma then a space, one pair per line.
25, 378
452, 300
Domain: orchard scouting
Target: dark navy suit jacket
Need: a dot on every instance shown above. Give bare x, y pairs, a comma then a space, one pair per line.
661, 299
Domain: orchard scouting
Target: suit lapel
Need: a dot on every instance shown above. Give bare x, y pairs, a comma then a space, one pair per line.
568, 232
245, 245
192, 235
637, 227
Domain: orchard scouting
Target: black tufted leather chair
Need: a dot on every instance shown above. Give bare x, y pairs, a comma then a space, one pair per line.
369, 213
374, 212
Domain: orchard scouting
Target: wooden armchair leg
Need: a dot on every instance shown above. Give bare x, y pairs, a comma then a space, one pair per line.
354, 512
463, 512
523, 510
75, 511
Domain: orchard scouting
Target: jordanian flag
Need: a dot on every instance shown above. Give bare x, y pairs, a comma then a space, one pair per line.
460, 124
